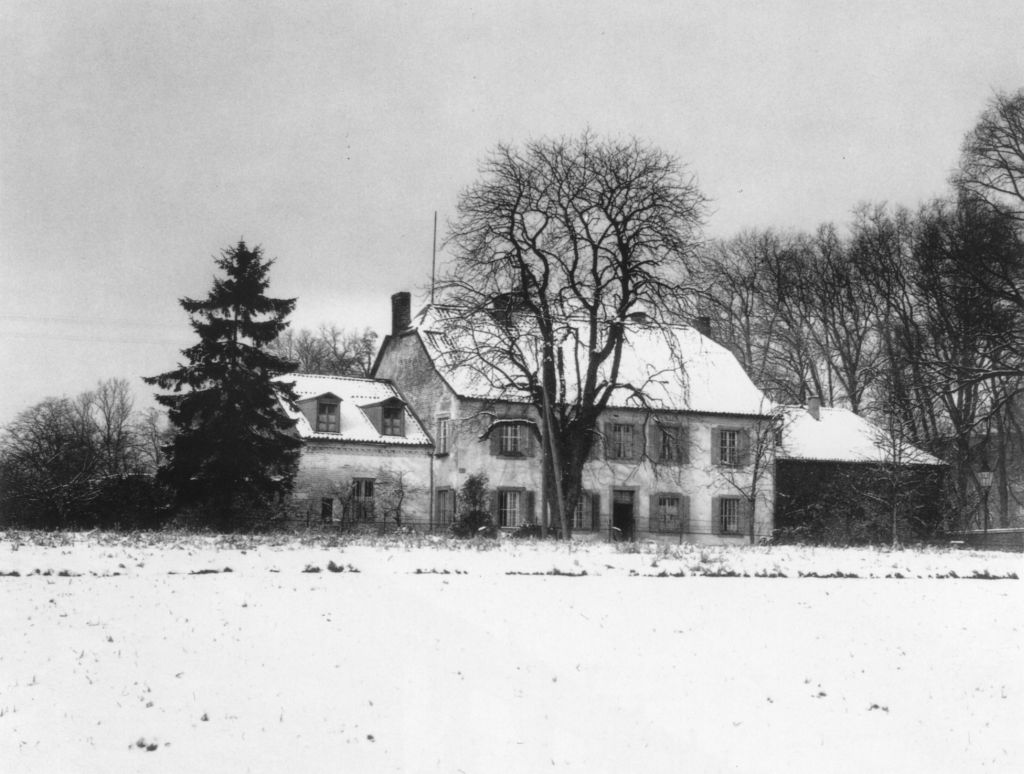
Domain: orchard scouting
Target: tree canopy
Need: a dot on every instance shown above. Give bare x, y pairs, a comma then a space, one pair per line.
565, 239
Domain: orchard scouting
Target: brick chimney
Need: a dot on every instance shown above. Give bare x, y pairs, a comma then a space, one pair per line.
814, 407
703, 325
401, 304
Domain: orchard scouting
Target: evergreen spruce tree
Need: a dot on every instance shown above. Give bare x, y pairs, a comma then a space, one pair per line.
231, 452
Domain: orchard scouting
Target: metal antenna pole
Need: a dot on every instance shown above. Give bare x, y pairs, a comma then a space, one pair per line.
433, 261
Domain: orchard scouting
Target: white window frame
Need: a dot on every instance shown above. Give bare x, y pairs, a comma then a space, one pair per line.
363, 503
392, 418
666, 514
510, 508
623, 440
582, 516
728, 515
323, 418
670, 442
443, 434
729, 447
510, 440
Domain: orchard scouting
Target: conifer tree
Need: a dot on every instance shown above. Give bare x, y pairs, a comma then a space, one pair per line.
231, 448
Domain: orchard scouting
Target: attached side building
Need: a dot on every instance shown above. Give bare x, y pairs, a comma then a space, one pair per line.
366, 458
841, 479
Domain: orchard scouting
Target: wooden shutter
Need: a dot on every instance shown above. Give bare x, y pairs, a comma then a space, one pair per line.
495, 504
684, 513
744, 450
638, 442
744, 517
529, 439
654, 522
716, 439
683, 439
529, 508
595, 510
652, 439
376, 417
495, 438
716, 522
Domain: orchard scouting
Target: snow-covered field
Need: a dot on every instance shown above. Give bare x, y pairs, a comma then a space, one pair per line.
143, 653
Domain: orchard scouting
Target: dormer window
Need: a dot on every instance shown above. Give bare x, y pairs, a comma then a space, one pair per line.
391, 420
327, 417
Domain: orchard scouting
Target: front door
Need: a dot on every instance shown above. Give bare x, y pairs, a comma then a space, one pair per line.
622, 514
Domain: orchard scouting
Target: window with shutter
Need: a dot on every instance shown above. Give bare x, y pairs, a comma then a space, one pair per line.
728, 447
666, 512
510, 443
623, 441
445, 506
443, 435
728, 516
362, 499
583, 516
509, 507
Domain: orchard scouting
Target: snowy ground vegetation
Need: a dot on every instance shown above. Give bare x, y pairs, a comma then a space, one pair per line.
176, 652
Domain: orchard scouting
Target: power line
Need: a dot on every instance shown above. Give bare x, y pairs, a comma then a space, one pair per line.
91, 339
88, 321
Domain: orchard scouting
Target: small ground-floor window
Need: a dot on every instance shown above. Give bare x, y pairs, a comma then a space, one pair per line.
729, 515
362, 499
509, 507
327, 509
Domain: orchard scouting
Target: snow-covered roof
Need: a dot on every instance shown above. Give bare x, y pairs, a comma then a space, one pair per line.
675, 367
354, 394
839, 435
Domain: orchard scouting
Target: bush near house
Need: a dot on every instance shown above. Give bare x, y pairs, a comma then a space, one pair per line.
837, 504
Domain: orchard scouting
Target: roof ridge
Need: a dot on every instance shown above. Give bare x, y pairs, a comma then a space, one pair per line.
338, 376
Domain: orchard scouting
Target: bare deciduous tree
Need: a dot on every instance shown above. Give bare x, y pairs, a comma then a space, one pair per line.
328, 350
992, 160
571, 236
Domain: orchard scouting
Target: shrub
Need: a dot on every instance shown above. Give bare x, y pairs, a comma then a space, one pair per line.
474, 519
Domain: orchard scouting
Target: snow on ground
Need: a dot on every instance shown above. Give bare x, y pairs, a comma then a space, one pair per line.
426, 655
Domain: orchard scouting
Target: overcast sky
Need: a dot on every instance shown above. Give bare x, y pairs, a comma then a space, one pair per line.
138, 139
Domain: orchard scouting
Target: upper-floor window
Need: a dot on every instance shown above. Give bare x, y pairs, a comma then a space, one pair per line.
326, 417
622, 441
443, 435
391, 420
729, 447
671, 446
511, 439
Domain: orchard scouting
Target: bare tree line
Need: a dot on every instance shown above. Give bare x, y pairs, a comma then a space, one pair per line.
915, 318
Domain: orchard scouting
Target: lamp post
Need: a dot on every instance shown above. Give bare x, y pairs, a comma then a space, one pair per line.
985, 482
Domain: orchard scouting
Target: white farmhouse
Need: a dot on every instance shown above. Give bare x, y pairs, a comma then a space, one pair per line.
685, 448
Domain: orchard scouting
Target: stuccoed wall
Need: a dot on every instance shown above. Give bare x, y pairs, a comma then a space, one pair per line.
327, 469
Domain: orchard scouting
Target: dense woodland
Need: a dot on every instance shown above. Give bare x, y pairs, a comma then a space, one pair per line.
911, 317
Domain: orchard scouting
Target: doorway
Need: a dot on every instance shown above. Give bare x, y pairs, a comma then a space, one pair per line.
623, 520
